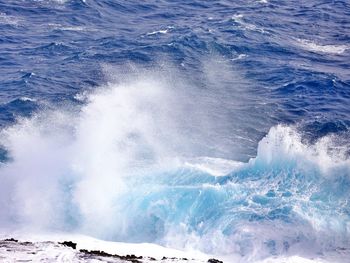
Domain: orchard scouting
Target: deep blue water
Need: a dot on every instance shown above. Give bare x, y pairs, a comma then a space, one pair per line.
144, 103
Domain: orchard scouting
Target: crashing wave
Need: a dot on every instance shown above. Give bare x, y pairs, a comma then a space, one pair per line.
118, 169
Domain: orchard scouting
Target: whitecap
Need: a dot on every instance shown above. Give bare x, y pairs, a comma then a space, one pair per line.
67, 28
239, 57
321, 48
27, 99
158, 32
9, 20
246, 26
161, 31
73, 28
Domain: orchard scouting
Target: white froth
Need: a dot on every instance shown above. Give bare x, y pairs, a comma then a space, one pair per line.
321, 48
27, 99
213, 166
49, 251
283, 144
158, 32
9, 20
239, 19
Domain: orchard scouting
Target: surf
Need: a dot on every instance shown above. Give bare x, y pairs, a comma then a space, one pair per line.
128, 166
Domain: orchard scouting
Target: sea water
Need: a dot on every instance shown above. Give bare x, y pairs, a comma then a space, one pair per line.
215, 126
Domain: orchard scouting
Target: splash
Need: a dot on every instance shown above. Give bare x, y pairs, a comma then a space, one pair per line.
291, 199
128, 166
68, 166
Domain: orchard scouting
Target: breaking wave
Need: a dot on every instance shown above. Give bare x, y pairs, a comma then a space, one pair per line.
135, 164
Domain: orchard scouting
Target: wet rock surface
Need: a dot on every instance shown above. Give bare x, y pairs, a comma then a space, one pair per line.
13, 250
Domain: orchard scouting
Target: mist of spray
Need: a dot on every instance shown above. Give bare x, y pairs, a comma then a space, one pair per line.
68, 166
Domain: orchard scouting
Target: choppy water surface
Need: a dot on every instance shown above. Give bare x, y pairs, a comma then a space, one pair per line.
221, 126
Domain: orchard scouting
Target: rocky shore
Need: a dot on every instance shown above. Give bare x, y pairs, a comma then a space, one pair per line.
13, 250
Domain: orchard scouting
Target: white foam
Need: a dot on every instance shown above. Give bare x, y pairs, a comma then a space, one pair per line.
213, 166
57, 26
158, 32
44, 250
292, 259
161, 31
27, 99
73, 28
9, 20
246, 26
321, 48
82, 96
89, 243
283, 144
239, 57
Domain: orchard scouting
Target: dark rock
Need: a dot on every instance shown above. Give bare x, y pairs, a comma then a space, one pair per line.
213, 260
10, 240
96, 253
131, 258
69, 244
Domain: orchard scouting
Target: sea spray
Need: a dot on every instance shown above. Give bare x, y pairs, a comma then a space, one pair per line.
134, 163
67, 166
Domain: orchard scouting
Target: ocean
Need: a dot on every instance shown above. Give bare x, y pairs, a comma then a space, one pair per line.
213, 126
